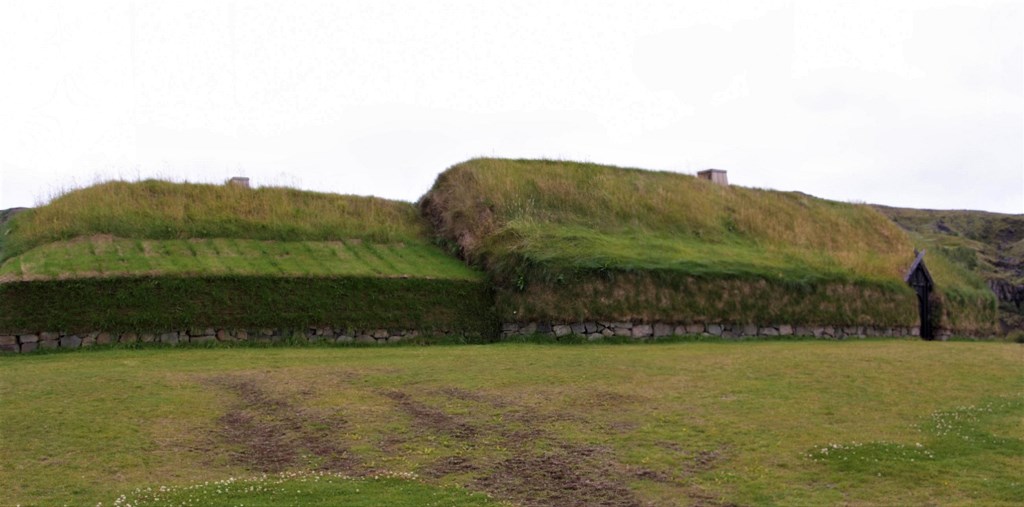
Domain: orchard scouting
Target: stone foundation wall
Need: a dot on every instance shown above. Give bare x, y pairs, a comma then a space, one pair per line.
29, 342
599, 330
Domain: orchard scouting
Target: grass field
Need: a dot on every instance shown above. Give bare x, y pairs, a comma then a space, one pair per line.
752, 423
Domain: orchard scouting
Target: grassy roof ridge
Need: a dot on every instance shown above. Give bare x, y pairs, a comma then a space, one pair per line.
484, 203
154, 209
568, 240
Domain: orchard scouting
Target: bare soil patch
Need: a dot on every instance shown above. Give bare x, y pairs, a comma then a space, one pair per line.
270, 434
429, 418
513, 468
506, 447
571, 476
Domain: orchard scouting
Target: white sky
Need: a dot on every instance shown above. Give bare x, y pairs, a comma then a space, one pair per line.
914, 104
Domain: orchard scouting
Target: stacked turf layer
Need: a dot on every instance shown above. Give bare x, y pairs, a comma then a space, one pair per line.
569, 242
156, 255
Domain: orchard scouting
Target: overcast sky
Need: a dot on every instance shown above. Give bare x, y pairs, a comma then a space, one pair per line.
914, 104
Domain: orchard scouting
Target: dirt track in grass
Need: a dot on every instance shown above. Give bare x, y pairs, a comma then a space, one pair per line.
271, 434
506, 450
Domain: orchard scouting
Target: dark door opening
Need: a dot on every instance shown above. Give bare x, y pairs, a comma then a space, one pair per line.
920, 279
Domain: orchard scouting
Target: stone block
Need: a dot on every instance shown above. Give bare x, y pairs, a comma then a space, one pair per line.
365, 338
9, 347
29, 346
28, 338
695, 329
510, 327
145, 338
714, 329
8, 340
590, 327
344, 339
71, 342
828, 331
802, 331
169, 338
209, 338
49, 335
748, 330
129, 338
595, 337
395, 339
105, 338
679, 330
88, 341
606, 332
768, 331
661, 330
48, 344
623, 331
543, 328
528, 329
642, 330
578, 328
562, 330
785, 330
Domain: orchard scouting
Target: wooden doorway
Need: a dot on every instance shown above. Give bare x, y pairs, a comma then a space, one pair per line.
920, 279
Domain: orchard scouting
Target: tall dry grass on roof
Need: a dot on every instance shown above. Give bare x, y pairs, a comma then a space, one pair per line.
650, 218
162, 210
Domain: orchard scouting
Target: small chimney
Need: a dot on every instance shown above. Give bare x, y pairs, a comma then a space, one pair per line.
716, 176
239, 181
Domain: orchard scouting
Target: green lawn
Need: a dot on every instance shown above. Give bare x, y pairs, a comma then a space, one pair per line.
888, 422
104, 256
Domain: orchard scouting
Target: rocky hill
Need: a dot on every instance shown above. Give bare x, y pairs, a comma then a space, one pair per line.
7, 214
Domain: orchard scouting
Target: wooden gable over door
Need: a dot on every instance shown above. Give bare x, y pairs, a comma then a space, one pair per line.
920, 279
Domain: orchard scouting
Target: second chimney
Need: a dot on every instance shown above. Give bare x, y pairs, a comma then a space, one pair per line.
716, 176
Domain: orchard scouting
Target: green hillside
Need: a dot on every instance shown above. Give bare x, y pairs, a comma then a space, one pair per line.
572, 241
159, 255
990, 245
